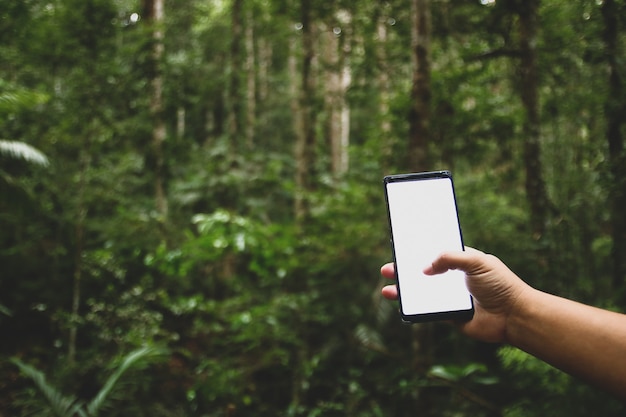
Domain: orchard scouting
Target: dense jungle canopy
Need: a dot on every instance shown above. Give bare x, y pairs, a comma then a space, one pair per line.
192, 217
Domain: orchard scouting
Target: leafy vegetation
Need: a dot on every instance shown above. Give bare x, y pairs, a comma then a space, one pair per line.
209, 180
67, 405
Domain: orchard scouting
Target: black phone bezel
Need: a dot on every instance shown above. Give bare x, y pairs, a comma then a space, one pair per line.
454, 315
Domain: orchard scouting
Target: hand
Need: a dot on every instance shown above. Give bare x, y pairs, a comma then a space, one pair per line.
495, 288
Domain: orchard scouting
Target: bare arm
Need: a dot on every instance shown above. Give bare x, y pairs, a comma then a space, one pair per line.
587, 342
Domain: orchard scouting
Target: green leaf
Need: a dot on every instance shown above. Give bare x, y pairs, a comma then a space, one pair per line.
60, 405
21, 150
133, 359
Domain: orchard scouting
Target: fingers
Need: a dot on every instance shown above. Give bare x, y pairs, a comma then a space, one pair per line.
388, 271
390, 292
463, 260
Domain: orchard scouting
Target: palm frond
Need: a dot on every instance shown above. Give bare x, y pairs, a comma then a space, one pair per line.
133, 359
21, 150
61, 405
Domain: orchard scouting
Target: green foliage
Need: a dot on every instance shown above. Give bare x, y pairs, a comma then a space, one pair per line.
545, 388
20, 150
264, 315
12, 101
62, 405
455, 374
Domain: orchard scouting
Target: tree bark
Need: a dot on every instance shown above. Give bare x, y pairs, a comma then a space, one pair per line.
263, 64
384, 88
529, 87
419, 132
615, 108
235, 96
154, 16
419, 115
250, 81
338, 78
305, 138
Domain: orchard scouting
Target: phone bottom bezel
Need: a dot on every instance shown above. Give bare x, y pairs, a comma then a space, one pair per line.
460, 315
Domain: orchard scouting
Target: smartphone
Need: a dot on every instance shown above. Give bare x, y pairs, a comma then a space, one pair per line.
424, 221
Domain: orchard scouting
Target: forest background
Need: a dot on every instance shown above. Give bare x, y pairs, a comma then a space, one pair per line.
191, 210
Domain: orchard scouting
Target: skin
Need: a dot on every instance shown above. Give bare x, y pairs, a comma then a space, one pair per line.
584, 341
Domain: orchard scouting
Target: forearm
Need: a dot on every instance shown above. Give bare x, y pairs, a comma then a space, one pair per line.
584, 341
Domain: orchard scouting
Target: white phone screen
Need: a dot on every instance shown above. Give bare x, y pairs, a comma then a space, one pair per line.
424, 222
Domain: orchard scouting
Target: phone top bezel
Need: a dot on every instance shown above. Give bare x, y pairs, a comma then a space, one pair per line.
455, 315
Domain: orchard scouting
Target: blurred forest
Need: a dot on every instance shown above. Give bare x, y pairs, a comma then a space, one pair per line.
192, 217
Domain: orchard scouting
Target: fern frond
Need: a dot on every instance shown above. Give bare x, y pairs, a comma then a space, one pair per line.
133, 359
60, 405
24, 151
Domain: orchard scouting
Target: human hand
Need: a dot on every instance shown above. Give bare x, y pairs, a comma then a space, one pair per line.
495, 288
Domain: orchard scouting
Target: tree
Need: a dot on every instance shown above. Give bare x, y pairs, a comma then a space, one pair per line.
419, 114
529, 92
336, 47
615, 109
384, 85
154, 15
264, 315
305, 113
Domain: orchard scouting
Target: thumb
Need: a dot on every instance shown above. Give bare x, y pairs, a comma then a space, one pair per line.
463, 260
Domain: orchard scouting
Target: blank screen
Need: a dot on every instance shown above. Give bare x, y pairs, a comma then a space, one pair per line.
424, 223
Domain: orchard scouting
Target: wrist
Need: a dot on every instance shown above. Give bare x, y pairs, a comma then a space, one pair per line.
520, 315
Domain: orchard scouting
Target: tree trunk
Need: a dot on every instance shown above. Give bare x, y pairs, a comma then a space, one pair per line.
615, 109
384, 87
419, 132
419, 115
250, 81
154, 16
338, 80
263, 64
529, 88
235, 97
305, 138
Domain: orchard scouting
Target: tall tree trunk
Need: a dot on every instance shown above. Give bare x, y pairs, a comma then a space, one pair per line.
529, 91
419, 132
154, 15
615, 110
336, 50
305, 139
263, 64
250, 80
384, 88
235, 98
419, 115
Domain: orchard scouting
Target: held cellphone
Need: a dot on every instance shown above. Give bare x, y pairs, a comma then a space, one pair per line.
424, 222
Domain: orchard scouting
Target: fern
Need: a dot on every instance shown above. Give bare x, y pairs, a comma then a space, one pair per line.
133, 359
21, 150
68, 405
60, 405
